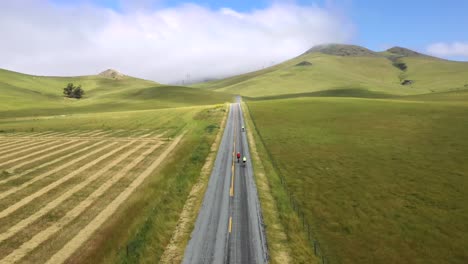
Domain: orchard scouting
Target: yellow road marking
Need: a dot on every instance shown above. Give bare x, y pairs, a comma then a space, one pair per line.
230, 224
232, 181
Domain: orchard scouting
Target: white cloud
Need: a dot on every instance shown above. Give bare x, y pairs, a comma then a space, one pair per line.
165, 44
449, 49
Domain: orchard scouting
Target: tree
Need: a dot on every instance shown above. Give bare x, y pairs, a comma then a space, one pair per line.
67, 91
72, 91
77, 92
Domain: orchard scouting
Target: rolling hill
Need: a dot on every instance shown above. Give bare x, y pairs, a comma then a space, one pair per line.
348, 67
29, 95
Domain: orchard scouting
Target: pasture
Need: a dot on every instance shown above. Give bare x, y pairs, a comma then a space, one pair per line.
380, 181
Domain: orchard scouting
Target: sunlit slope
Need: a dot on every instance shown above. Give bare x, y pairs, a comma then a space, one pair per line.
26, 95
436, 75
19, 90
316, 71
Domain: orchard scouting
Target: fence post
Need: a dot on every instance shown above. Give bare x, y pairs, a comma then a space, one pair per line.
315, 248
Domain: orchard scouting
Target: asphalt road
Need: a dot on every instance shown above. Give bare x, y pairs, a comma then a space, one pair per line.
229, 227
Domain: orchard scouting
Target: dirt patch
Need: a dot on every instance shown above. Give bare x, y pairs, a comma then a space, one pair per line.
175, 249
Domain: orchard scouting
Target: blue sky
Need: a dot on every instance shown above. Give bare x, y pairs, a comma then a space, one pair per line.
379, 24
213, 39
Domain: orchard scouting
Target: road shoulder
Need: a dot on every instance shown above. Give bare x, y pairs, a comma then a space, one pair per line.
174, 251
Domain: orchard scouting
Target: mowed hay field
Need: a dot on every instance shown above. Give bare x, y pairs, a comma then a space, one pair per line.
99, 187
380, 181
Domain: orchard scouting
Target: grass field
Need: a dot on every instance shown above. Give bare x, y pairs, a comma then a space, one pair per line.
103, 178
380, 180
98, 181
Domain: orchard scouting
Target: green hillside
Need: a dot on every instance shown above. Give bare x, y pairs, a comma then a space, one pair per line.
28, 95
336, 67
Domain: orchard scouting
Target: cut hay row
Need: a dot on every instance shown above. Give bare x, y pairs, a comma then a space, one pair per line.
102, 133
63, 254
42, 236
18, 146
52, 134
50, 162
28, 149
25, 200
9, 142
155, 138
57, 201
34, 153
61, 150
90, 133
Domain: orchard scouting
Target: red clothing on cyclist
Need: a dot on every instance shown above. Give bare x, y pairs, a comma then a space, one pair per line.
238, 155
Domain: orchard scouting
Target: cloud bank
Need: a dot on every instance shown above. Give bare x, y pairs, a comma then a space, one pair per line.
166, 44
455, 49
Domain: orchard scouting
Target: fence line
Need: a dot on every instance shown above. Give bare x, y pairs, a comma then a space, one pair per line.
318, 250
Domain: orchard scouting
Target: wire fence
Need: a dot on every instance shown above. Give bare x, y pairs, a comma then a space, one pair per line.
307, 227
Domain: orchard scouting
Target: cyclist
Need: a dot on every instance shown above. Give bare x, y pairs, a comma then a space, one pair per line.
244, 160
238, 157
243, 128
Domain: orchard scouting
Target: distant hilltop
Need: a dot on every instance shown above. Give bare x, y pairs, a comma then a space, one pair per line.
357, 51
110, 73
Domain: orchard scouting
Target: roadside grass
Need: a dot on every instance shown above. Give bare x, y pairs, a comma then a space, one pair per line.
287, 242
174, 251
144, 224
380, 181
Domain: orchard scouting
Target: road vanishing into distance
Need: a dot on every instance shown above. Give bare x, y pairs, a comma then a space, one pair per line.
229, 227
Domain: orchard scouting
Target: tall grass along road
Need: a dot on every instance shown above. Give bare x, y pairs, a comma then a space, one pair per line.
229, 227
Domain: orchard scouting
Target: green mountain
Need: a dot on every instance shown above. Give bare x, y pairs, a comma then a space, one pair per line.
349, 68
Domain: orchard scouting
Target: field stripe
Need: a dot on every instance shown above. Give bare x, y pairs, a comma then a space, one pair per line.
42, 236
100, 133
36, 153
12, 169
41, 176
53, 134
50, 162
9, 142
75, 132
63, 134
90, 133
44, 133
53, 204
7, 211
28, 150
24, 144
63, 254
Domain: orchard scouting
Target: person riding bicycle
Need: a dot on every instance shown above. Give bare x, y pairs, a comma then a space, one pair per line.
244, 160
243, 128
238, 157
